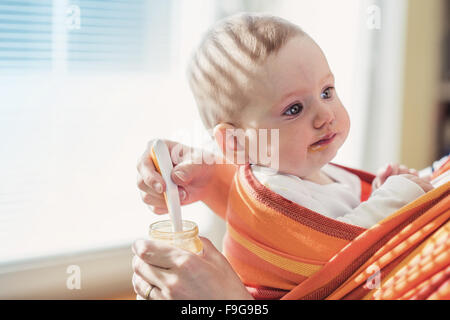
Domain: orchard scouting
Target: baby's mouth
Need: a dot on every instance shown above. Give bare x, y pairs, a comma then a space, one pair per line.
322, 143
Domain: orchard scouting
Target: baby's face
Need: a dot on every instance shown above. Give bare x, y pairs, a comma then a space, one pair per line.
295, 94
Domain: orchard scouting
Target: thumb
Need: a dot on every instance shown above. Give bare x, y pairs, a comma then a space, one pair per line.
210, 252
185, 172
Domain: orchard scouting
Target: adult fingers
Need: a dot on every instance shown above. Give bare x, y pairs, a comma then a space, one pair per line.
144, 290
187, 171
148, 175
154, 276
153, 199
158, 253
158, 201
141, 184
178, 152
158, 210
210, 252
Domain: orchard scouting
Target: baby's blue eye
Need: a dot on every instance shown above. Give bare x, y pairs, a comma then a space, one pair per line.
294, 109
327, 94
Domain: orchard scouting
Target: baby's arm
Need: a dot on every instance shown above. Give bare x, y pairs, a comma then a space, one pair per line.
394, 193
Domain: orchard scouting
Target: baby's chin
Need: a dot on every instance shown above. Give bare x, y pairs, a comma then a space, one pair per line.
305, 167
314, 164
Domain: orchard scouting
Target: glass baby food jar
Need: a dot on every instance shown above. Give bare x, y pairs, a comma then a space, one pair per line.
187, 239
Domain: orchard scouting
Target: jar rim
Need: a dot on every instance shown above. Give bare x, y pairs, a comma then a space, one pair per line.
156, 229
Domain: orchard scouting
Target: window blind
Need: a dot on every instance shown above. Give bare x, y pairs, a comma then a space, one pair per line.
56, 112
85, 35
25, 35
132, 35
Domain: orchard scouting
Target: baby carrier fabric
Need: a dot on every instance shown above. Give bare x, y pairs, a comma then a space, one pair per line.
275, 244
282, 250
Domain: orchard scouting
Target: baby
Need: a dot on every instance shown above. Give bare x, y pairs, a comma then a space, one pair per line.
262, 72
255, 72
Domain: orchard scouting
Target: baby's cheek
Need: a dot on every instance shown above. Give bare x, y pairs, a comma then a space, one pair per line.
294, 158
292, 149
345, 120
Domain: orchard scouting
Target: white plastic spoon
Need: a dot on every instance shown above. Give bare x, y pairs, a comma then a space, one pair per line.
163, 163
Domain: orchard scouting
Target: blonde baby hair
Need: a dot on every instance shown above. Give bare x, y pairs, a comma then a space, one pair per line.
222, 69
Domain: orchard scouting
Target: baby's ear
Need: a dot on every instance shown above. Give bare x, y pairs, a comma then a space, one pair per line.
220, 136
231, 141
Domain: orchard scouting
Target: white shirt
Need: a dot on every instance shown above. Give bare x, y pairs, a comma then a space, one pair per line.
341, 200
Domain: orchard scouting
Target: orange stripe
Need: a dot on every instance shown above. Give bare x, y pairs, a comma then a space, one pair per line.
423, 263
232, 249
304, 269
311, 219
256, 272
406, 239
348, 261
442, 293
268, 226
428, 287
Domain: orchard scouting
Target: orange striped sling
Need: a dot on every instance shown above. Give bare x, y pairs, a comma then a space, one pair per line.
275, 244
283, 250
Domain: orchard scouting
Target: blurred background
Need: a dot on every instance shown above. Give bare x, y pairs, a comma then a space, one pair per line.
85, 84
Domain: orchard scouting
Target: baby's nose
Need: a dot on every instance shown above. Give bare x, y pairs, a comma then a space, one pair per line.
324, 116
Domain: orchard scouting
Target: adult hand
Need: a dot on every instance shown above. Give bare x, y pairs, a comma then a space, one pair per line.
190, 173
177, 274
